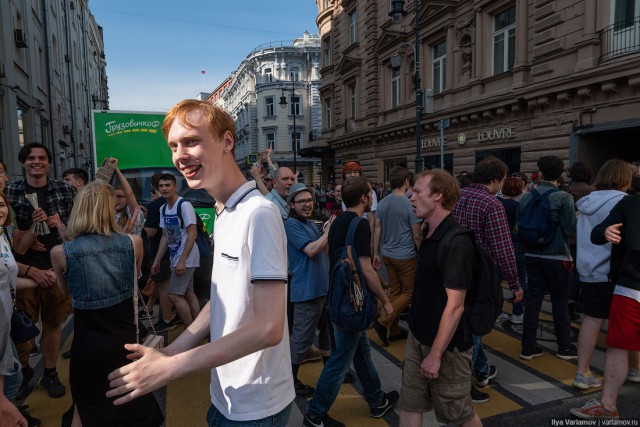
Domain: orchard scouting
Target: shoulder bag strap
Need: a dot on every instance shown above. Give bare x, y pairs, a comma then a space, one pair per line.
137, 296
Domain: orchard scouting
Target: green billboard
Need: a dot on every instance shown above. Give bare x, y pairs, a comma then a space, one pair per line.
135, 139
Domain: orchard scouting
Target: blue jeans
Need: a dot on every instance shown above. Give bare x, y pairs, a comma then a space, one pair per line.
348, 347
281, 419
478, 358
553, 276
12, 382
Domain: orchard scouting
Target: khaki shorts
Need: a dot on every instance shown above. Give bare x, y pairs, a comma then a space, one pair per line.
50, 305
448, 395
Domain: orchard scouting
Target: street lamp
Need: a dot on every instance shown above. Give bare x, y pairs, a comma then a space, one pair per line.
397, 13
283, 104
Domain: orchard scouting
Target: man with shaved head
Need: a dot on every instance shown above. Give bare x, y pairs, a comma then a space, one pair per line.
282, 182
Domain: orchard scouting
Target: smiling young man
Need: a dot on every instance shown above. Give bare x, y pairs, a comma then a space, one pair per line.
308, 264
246, 319
47, 302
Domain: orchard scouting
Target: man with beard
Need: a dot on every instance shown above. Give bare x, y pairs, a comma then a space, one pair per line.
308, 264
352, 346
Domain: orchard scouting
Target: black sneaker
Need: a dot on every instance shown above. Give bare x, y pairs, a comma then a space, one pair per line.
383, 333
24, 389
303, 390
478, 396
530, 353
568, 353
325, 421
482, 380
31, 422
66, 354
161, 325
390, 399
52, 384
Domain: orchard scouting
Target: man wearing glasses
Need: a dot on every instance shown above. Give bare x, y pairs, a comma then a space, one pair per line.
308, 266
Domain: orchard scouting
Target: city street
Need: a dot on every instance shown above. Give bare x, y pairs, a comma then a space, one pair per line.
530, 393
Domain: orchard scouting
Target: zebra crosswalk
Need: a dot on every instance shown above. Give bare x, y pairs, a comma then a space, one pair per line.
520, 386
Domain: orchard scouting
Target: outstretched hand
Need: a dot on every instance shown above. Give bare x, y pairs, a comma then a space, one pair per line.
148, 373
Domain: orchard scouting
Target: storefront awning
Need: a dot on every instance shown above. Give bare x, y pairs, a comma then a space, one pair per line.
318, 151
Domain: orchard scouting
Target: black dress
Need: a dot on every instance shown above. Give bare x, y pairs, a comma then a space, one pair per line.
97, 350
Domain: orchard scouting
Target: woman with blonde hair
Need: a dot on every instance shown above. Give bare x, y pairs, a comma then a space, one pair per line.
593, 262
97, 267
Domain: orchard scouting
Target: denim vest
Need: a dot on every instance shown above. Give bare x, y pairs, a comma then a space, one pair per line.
99, 270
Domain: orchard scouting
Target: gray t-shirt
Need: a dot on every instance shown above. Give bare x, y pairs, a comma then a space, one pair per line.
396, 215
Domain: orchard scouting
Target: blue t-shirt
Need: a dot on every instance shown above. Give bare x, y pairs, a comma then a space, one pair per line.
309, 275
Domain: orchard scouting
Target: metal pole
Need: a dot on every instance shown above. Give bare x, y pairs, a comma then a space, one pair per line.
416, 80
441, 144
295, 141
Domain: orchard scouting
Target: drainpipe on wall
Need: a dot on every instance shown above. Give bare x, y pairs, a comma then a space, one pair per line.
72, 95
49, 95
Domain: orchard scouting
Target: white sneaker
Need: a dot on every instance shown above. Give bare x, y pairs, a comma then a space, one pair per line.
517, 319
586, 381
634, 376
502, 318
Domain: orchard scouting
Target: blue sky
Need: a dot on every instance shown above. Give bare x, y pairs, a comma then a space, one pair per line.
156, 49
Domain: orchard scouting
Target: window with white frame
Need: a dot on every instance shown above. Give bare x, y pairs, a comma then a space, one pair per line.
296, 140
295, 105
268, 106
294, 74
353, 27
439, 66
504, 40
268, 75
395, 88
270, 138
328, 118
326, 46
351, 91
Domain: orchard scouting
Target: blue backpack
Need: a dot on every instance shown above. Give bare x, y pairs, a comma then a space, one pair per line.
202, 240
534, 226
352, 306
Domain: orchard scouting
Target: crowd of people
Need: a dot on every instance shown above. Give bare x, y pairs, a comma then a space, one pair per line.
77, 247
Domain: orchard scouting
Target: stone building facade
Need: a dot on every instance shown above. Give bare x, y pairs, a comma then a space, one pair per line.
252, 95
516, 79
52, 73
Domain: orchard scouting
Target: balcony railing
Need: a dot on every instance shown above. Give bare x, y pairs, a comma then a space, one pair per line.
621, 38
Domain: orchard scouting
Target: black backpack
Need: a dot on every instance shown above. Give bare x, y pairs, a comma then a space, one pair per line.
352, 306
483, 302
202, 239
534, 226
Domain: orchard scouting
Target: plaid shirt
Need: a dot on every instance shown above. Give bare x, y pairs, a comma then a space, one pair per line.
485, 215
59, 200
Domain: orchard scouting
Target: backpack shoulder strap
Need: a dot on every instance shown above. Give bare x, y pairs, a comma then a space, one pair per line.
179, 212
351, 234
451, 232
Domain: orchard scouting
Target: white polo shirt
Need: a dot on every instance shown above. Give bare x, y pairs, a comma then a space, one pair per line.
250, 245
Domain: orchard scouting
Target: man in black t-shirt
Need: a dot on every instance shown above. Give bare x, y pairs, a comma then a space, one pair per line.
46, 302
437, 364
357, 196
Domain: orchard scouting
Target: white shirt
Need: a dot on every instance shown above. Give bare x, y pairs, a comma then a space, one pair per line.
250, 245
176, 235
